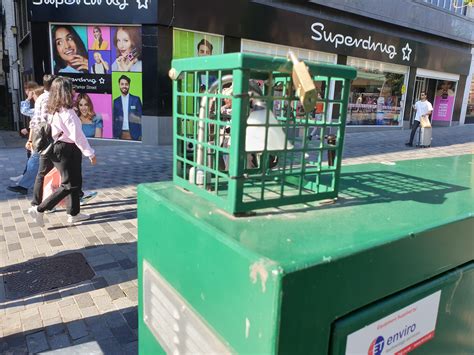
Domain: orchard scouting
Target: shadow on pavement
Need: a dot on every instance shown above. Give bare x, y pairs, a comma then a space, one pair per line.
110, 333
111, 264
127, 201
101, 217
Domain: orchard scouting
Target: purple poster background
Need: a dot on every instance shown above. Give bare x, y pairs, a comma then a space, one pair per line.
105, 35
443, 108
113, 50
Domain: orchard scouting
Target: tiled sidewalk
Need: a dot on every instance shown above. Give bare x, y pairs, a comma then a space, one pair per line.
101, 313
100, 316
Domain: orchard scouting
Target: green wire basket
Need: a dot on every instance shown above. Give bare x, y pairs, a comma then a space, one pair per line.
242, 138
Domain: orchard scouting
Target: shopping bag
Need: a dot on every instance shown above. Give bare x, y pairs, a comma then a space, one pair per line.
51, 183
425, 122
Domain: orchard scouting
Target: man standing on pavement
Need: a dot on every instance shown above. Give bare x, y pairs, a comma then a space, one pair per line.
127, 115
422, 107
40, 115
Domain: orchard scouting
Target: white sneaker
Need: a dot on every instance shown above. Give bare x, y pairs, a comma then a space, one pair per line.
37, 216
16, 178
77, 218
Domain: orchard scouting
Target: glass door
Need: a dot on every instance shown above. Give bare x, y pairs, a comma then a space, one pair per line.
421, 85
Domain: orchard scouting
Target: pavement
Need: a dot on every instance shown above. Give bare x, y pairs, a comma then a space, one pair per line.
99, 316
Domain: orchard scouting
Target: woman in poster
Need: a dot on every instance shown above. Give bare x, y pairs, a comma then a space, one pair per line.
91, 122
69, 52
100, 66
445, 89
128, 43
99, 43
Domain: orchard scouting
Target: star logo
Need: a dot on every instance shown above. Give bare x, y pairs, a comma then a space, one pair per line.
142, 4
102, 80
406, 52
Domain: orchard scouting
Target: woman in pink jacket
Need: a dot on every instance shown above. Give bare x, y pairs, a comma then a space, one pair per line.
66, 154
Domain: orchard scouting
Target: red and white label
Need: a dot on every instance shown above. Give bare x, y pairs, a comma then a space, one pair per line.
399, 332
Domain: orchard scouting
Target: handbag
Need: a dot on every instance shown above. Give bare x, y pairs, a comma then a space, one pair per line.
42, 136
52, 182
425, 122
46, 151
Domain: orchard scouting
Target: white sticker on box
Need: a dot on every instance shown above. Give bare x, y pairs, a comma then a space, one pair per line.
399, 332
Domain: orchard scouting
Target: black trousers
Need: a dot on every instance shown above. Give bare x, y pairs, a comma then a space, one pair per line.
67, 158
45, 166
416, 124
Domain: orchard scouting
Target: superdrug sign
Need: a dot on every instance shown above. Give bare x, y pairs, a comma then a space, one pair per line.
94, 11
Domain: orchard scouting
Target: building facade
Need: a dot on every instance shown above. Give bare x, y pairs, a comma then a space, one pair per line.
9, 79
396, 57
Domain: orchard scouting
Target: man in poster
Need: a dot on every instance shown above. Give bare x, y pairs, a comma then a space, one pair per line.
204, 48
127, 113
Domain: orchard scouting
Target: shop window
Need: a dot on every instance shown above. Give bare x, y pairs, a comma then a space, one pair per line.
276, 50
377, 93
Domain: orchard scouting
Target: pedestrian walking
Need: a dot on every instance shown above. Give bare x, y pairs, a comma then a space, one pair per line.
28, 178
66, 154
26, 109
423, 108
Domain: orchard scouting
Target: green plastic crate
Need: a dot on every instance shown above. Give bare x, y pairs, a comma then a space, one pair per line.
264, 151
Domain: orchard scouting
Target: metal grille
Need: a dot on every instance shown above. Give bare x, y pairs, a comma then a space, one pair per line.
45, 274
242, 138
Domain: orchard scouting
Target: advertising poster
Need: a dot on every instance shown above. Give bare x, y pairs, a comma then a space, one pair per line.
126, 96
95, 113
190, 44
193, 44
444, 101
197, 44
95, 57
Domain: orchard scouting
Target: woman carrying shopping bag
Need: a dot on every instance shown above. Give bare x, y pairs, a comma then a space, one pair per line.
66, 153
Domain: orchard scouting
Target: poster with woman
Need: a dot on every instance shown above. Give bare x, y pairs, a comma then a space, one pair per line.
95, 113
69, 51
444, 101
95, 57
126, 53
98, 38
99, 62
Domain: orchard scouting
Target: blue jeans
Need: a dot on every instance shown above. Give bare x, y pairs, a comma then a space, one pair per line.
28, 179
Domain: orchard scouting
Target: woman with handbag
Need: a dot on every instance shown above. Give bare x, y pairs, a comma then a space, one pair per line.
66, 153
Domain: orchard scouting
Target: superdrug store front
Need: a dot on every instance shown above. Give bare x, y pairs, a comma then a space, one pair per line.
394, 63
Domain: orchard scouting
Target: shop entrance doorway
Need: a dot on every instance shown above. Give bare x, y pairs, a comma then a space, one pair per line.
440, 89
426, 85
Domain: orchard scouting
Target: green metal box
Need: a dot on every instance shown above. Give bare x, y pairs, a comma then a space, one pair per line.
386, 269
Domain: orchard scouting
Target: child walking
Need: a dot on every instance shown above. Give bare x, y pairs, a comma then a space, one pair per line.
66, 155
